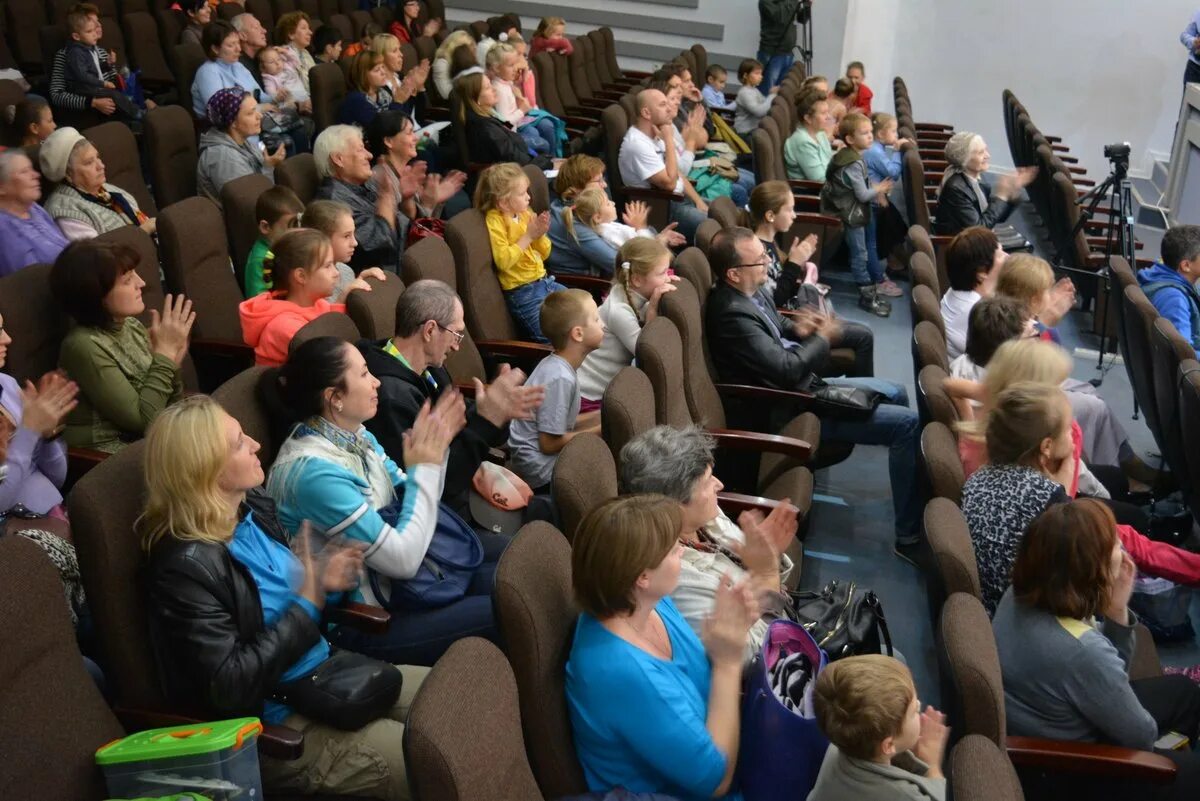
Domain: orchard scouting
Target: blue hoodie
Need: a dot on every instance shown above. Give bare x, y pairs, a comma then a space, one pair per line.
1178, 301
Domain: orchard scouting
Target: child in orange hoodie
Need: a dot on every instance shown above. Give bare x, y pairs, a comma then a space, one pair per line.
304, 273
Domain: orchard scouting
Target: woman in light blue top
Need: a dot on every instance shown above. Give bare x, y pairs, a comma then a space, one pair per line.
650, 710
332, 472
223, 70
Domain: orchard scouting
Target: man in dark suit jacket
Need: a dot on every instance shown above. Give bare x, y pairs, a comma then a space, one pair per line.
752, 343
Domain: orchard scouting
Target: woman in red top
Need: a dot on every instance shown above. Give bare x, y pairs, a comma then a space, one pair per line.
409, 27
862, 93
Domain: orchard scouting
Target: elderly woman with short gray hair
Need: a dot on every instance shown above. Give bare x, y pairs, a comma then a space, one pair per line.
82, 204
963, 199
344, 166
678, 463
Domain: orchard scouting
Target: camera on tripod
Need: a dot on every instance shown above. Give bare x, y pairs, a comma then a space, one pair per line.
1118, 152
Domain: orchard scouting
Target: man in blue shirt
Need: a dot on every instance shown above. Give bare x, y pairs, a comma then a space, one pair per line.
1191, 40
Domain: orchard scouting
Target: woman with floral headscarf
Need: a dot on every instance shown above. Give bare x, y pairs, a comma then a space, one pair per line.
963, 199
230, 148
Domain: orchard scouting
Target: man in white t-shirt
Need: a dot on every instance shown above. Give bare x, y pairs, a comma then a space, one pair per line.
648, 159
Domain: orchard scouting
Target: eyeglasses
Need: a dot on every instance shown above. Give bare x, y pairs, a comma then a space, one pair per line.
458, 336
763, 263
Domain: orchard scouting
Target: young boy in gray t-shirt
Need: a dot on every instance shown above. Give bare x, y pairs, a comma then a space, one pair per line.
571, 321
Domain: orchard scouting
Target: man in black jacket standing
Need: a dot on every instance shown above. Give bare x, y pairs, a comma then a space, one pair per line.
409, 366
752, 343
776, 39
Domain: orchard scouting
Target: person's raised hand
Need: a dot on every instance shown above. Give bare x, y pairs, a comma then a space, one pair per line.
931, 744
311, 584
357, 285
374, 272
778, 527
758, 552
46, 405
1026, 175
666, 132
1120, 590
902, 141
670, 237
451, 183
636, 214
1062, 299
703, 206
507, 398
828, 327
412, 178
539, 225
802, 249
304, 106
734, 610
169, 329
341, 566
670, 285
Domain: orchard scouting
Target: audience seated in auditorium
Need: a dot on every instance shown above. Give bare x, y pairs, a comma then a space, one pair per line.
411, 370
652, 707
278, 211
751, 343
442, 76
678, 463
648, 158
64, 100
1066, 676
380, 226
392, 140
1170, 283
519, 244
715, 78
126, 373
594, 212
229, 628
223, 69
882, 745
963, 198
230, 149
808, 151
28, 122
293, 32
991, 323
303, 274
406, 89
572, 324
333, 473
34, 460
83, 204
973, 260
641, 278
28, 234
490, 140
335, 221
772, 212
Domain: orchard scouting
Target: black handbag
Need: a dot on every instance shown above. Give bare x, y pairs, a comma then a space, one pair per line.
844, 620
841, 402
346, 691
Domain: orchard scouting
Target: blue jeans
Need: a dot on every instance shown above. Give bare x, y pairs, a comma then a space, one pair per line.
864, 260
540, 136
774, 68
895, 425
740, 191
421, 636
688, 217
525, 305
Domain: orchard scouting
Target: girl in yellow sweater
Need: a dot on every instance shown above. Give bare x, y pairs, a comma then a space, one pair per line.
519, 244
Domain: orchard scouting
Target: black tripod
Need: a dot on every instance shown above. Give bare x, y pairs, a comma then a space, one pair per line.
1117, 189
805, 43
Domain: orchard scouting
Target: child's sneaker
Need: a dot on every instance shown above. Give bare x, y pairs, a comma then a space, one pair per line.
888, 288
869, 300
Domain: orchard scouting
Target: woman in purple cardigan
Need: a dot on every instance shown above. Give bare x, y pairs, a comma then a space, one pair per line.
28, 235
33, 460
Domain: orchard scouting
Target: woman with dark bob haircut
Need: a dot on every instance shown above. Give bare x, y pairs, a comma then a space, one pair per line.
642, 688
127, 373
1066, 677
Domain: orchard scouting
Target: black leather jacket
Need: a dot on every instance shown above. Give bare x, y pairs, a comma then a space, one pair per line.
490, 141
958, 208
215, 656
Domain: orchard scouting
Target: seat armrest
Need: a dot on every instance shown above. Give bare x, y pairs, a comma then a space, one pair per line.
762, 393
591, 283
810, 187
575, 120
364, 617
761, 443
80, 461
280, 742
933, 178
222, 347
466, 388
1067, 159
648, 193
1054, 140
935, 164
514, 348
940, 240
635, 75
1083, 181
1093, 759
734, 503
275, 741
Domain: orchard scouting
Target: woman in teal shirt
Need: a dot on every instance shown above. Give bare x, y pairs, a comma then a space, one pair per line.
650, 710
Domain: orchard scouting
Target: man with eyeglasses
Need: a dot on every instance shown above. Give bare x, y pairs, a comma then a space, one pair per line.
410, 368
752, 343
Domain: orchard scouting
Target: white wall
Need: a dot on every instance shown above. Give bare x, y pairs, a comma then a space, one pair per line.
1091, 71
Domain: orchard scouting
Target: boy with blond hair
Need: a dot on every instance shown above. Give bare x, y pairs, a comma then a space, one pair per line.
571, 321
883, 747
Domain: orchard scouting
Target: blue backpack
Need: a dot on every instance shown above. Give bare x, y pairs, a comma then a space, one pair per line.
454, 554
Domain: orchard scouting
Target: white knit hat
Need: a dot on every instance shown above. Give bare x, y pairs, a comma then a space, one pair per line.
56, 151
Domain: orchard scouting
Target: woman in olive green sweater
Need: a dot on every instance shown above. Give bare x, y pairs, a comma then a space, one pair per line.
126, 373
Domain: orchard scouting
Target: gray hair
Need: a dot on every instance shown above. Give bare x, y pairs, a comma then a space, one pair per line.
334, 139
239, 22
666, 460
426, 300
7, 158
1179, 244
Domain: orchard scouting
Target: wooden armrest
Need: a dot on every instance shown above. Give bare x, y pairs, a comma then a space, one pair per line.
1059, 148
280, 742
648, 193
591, 283
933, 178
761, 443
1067, 159
437, 114
810, 218
809, 187
935, 164
467, 388
580, 122
1077, 170
809, 203
611, 95
762, 393
635, 75
934, 127
734, 503
80, 461
515, 348
364, 617
1083, 182
1097, 260
222, 347
595, 103
1093, 759
940, 240
1054, 140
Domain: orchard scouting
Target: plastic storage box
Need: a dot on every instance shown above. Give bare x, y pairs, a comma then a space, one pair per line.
217, 760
